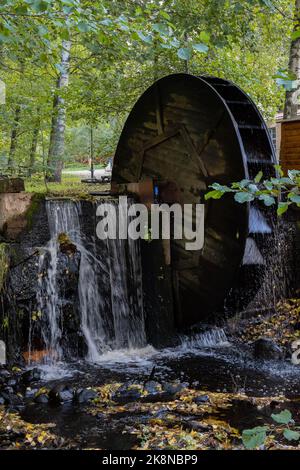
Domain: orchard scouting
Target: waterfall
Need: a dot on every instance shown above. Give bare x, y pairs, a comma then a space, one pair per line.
268, 259
108, 301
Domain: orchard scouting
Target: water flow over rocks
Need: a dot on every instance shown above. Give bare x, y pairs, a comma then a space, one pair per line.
101, 309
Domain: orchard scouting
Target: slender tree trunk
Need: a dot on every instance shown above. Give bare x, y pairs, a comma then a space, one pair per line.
58, 123
35, 135
92, 152
292, 97
186, 62
14, 137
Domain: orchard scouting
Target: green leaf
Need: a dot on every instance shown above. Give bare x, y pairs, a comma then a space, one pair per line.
267, 199
295, 34
284, 417
39, 6
220, 187
184, 53
175, 42
243, 197
253, 188
268, 185
106, 22
279, 169
258, 177
200, 47
294, 198
253, 438
144, 38
83, 27
215, 194
204, 36
244, 183
162, 28
165, 15
291, 435
282, 208
293, 174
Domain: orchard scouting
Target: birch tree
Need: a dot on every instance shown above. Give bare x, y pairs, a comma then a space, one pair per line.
292, 96
58, 123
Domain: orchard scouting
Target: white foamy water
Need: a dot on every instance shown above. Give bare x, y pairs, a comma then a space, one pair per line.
109, 288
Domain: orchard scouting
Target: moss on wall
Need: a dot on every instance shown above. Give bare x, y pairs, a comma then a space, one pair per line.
4, 264
36, 200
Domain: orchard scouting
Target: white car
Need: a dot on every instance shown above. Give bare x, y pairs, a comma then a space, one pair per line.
106, 176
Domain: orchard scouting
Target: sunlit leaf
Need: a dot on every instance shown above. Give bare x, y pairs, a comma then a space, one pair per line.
284, 417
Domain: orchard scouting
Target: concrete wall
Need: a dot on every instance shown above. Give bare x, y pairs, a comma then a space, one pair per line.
13, 211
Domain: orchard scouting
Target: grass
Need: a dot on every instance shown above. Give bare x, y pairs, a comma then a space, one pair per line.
79, 167
70, 185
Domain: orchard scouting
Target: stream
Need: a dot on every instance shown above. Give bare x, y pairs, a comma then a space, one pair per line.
88, 332
206, 364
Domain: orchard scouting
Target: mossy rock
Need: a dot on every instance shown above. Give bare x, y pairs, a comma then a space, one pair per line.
66, 245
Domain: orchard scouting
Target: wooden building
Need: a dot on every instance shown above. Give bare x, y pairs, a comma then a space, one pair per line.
290, 144
285, 135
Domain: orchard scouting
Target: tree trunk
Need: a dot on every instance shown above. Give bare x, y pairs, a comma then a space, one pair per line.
186, 62
34, 142
292, 97
58, 123
14, 137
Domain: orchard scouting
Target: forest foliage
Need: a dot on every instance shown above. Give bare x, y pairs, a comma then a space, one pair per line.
72, 65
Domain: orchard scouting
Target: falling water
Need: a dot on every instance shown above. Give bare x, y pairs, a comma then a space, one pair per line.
110, 306
268, 250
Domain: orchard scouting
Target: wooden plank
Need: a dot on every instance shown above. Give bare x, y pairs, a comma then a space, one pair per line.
291, 140
295, 125
291, 132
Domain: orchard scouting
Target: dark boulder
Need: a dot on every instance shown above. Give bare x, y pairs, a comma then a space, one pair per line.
84, 395
32, 375
12, 383
266, 349
30, 392
202, 399
11, 398
173, 389
152, 387
127, 393
41, 398
61, 394
4, 373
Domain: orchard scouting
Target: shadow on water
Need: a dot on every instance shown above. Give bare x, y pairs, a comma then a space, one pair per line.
84, 430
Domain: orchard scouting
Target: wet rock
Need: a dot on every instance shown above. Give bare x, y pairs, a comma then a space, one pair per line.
156, 392
201, 399
30, 392
4, 373
12, 382
84, 395
2, 400
41, 398
174, 389
127, 393
266, 349
11, 398
61, 394
32, 375
66, 245
197, 426
297, 326
153, 387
